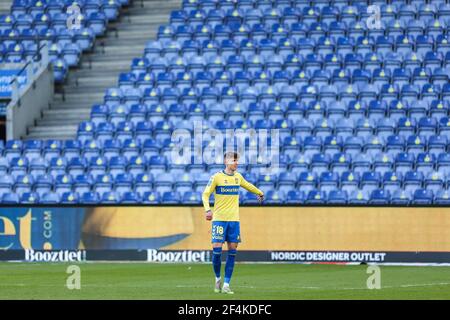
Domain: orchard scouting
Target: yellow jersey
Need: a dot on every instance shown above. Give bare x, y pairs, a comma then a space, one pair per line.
226, 195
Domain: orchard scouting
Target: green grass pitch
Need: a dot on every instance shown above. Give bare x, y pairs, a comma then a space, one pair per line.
195, 281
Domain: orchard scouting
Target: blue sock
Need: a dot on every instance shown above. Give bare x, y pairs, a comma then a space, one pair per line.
217, 260
229, 266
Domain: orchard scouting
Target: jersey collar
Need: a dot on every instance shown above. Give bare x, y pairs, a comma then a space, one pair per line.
230, 175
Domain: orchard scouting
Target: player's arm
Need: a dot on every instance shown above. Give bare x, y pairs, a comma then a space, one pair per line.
206, 194
250, 187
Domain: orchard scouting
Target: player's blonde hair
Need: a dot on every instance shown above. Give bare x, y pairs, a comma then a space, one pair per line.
231, 155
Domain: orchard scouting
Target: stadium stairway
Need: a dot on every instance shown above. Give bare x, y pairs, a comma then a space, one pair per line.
5, 5
99, 70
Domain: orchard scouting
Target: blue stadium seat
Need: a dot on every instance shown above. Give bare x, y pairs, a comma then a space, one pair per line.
442, 197
392, 181
29, 198
192, 198
70, 198
328, 181
18, 166
337, 197
83, 183
51, 198
286, 182
435, 181
370, 181
401, 197
353, 145
349, 181
320, 163
437, 144
63, 183
37, 166
380, 197
58, 165
425, 163
340, 163
10, 198
43, 184
316, 197
164, 182
90, 198
170, 197
110, 197
103, 183
23, 183
295, 197
274, 197
32, 149
423, 196
151, 198
358, 197
130, 197
307, 181
13, 149
404, 162
395, 144
311, 144
415, 144
412, 181
77, 166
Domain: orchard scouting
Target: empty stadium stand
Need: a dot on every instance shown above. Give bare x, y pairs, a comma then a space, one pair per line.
363, 112
98, 69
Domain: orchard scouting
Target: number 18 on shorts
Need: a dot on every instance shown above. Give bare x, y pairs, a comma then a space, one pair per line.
228, 231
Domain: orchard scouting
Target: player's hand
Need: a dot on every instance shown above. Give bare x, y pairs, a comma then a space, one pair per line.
208, 215
261, 198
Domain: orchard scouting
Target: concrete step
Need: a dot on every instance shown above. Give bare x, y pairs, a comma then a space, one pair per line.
84, 97
120, 52
51, 136
62, 114
154, 7
5, 6
51, 122
73, 107
92, 82
85, 88
101, 73
126, 42
174, 2
92, 96
56, 129
138, 35
118, 56
143, 18
109, 65
131, 25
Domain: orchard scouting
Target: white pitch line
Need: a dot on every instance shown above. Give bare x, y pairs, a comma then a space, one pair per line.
236, 286
327, 288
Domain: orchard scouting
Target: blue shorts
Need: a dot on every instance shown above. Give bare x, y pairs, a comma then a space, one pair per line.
229, 231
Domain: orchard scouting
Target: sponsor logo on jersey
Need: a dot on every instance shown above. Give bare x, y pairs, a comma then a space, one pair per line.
227, 190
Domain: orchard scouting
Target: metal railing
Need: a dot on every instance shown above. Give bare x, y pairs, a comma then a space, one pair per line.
41, 56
